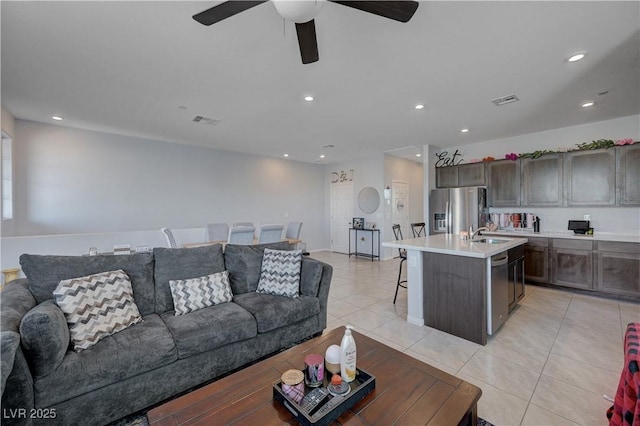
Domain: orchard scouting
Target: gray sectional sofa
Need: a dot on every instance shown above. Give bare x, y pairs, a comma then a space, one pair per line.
44, 382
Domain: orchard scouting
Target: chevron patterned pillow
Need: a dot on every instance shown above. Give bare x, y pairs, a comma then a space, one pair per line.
280, 274
197, 293
96, 306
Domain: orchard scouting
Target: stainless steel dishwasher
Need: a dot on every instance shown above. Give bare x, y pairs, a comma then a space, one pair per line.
499, 290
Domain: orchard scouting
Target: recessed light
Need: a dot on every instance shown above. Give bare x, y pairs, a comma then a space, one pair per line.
56, 117
588, 104
418, 155
308, 98
464, 130
419, 106
576, 57
321, 155
286, 155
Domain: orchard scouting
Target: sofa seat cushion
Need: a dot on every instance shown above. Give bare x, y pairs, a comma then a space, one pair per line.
273, 312
135, 350
205, 329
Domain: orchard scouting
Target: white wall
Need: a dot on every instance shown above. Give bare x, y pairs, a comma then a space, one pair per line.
625, 220
72, 181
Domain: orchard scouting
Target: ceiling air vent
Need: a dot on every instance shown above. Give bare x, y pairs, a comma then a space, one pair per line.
505, 100
205, 120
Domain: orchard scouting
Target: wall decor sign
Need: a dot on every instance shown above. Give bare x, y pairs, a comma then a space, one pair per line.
444, 159
342, 176
358, 223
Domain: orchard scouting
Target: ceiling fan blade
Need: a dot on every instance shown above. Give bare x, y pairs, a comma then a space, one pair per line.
397, 10
307, 41
224, 11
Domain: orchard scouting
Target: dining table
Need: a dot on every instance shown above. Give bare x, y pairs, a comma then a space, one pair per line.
224, 242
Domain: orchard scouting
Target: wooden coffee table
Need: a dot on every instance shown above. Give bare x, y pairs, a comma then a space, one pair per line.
408, 391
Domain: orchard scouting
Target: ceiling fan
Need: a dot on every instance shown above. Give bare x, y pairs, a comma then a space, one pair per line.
303, 12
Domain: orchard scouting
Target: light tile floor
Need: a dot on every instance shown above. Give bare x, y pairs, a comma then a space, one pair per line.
549, 364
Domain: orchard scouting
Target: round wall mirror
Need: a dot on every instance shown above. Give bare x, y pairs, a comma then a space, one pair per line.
369, 199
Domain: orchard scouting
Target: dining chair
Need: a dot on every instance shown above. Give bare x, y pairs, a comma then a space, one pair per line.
418, 229
270, 233
168, 235
241, 235
293, 230
397, 232
217, 232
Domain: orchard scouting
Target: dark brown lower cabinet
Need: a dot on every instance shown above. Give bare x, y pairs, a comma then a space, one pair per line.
572, 263
536, 260
455, 295
619, 268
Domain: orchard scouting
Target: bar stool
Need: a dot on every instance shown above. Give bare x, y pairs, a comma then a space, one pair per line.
397, 232
418, 229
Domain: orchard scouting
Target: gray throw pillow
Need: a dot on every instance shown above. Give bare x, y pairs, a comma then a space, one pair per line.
45, 337
280, 274
96, 306
198, 293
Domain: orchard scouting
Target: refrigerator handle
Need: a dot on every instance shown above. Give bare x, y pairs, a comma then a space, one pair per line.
447, 210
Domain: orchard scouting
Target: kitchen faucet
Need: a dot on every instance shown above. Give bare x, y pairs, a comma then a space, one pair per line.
472, 233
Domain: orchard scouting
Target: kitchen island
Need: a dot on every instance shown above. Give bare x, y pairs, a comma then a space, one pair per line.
449, 282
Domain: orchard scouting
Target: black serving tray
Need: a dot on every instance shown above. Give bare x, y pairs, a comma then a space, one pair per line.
363, 385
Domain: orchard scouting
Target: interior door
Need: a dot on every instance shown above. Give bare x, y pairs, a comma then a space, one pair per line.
400, 206
341, 215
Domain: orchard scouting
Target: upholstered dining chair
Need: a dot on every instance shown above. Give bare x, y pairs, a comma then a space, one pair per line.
217, 232
168, 235
418, 229
241, 235
293, 230
270, 233
397, 232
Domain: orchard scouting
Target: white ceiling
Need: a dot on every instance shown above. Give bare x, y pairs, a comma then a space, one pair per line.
147, 68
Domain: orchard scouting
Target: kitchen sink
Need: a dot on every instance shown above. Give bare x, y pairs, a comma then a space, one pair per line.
489, 241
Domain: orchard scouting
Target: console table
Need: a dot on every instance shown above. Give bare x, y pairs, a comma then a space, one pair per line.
372, 232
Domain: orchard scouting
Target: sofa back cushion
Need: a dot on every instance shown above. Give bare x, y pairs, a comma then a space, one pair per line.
45, 273
182, 264
244, 264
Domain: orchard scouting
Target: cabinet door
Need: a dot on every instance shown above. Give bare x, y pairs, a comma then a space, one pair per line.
471, 174
542, 181
513, 279
629, 175
572, 268
590, 178
536, 264
519, 281
618, 273
503, 180
447, 177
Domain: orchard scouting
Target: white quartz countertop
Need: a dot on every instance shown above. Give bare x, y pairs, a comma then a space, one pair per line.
597, 236
453, 245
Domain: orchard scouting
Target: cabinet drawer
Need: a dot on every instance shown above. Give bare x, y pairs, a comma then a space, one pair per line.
572, 244
618, 247
537, 242
516, 253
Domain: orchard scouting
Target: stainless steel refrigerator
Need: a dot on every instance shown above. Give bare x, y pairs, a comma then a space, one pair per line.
456, 209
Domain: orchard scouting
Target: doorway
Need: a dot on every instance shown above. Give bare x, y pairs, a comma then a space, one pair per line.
400, 206
341, 207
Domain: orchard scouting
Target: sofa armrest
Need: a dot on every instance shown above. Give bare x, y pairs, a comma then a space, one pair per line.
9, 343
323, 293
15, 301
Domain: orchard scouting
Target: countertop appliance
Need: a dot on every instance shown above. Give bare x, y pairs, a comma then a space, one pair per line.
454, 210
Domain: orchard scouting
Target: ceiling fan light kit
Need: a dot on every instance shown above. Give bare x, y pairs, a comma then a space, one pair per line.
302, 13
